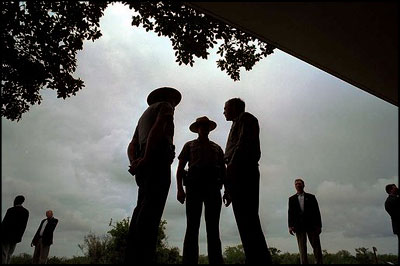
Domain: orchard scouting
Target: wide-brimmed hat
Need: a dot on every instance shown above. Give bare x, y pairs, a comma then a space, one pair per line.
164, 94
194, 127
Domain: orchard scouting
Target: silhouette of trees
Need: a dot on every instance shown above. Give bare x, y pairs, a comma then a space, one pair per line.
40, 40
110, 248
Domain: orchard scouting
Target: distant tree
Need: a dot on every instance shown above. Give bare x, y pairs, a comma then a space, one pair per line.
364, 256
23, 258
110, 249
40, 40
96, 248
234, 255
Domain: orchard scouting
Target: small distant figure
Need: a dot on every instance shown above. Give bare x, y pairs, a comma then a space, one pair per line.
304, 219
43, 238
242, 186
12, 228
203, 183
151, 153
392, 206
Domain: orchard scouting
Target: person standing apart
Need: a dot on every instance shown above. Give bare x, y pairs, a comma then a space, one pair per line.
304, 220
392, 206
242, 187
43, 238
151, 153
203, 183
12, 228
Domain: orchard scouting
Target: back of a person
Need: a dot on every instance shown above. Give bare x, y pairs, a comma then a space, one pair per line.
147, 121
14, 228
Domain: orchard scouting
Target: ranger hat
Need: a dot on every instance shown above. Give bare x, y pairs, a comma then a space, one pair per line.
194, 127
164, 94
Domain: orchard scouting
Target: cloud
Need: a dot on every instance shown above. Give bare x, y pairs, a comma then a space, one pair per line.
70, 155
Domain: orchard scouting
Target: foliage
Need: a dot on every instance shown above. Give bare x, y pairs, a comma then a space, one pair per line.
40, 40
97, 248
110, 249
235, 255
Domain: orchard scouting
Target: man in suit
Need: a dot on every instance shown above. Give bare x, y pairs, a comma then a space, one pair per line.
392, 206
242, 186
44, 238
12, 228
151, 153
304, 219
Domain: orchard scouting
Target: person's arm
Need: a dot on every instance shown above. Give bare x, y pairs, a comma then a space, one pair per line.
181, 195
291, 218
132, 148
318, 220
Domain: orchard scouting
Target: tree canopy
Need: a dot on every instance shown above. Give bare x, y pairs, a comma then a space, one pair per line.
40, 40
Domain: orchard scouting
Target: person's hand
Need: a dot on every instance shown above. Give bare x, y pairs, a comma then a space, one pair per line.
292, 231
226, 199
32, 244
181, 196
135, 165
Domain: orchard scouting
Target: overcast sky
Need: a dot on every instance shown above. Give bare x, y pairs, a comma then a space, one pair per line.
70, 155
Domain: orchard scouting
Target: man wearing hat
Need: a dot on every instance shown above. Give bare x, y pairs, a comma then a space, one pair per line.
150, 154
203, 183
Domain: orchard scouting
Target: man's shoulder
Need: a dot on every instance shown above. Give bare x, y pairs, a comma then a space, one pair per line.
215, 145
293, 197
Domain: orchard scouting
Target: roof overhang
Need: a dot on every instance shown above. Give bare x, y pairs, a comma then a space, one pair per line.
354, 41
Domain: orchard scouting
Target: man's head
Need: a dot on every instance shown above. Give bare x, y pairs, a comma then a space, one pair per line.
19, 200
164, 94
49, 214
233, 108
391, 189
299, 185
203, 126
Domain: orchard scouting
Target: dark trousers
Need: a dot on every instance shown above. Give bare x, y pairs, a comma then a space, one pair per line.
196, 196
245, 188
154, 183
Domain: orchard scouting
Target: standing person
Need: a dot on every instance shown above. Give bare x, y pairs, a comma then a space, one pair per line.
242, 154
203, 183
151, 153
304, 219
12, 228
44, 238
392, 206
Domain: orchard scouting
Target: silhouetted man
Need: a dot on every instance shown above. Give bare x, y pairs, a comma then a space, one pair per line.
203, 183
12, 228
242, 154
151, 153
43, 238
392, 206
304, 219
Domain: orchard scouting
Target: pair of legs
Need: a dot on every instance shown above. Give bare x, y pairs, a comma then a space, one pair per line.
41, 253
154, 183
313, 237
245, 203
196, 196
7, 249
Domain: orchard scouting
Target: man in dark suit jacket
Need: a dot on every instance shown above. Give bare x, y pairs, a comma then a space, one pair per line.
44, 238
12, 228
392, 206
304, 219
